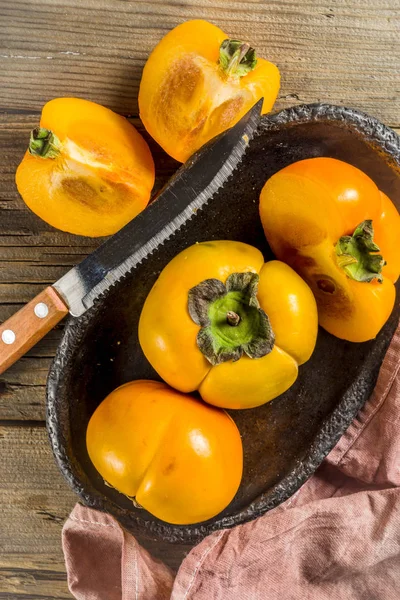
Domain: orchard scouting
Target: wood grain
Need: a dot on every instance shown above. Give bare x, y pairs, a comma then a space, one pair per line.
35, 502
338, 51
26, 576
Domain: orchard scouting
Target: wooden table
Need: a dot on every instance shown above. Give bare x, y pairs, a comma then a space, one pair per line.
337, 51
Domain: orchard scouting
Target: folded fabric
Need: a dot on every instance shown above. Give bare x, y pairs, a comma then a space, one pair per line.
337, 537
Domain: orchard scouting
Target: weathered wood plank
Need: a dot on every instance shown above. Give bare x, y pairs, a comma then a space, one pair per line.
19, 293
30, 579
339, 51
65, 256
35, 502
18, 272
22, 402
38, 368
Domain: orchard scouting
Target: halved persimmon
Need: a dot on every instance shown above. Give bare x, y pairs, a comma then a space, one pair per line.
198, 82
87, 170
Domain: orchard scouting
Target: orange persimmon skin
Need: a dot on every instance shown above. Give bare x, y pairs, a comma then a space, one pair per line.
305, 208
185, 99
102, 177
181, 459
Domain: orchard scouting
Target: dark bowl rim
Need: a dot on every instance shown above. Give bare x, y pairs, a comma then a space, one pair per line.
384, 139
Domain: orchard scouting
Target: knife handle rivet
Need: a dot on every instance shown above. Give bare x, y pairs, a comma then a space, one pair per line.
41, 310
8, 336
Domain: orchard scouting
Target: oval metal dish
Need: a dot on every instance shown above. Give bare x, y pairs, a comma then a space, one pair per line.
284, 441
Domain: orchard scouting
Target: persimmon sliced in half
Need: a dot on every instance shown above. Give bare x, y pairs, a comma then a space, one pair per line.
198, 82
87, 170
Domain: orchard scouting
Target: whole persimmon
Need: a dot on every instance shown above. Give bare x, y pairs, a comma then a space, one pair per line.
222, 321
177, 457
329, 221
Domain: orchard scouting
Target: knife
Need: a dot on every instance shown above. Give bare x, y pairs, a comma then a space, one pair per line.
187, 191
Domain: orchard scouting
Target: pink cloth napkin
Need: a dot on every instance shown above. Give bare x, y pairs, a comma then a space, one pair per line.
338, 537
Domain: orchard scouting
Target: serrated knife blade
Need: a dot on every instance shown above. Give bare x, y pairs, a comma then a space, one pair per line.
192, 186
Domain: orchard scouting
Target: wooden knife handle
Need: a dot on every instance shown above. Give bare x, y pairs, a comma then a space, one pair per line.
24, 329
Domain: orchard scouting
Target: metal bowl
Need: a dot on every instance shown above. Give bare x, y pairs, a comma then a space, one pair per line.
284, 441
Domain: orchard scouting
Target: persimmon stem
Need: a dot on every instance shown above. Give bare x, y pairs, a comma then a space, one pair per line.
236, 58
357, 254
232, 318
44, 143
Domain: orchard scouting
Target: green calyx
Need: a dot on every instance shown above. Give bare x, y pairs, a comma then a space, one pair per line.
236, 58
356, 254
231, 320
44, 143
